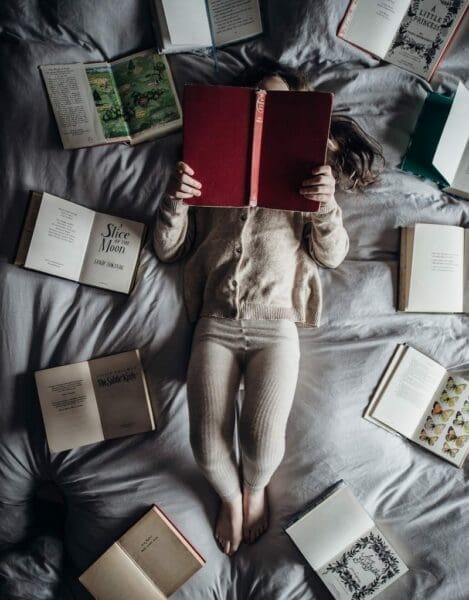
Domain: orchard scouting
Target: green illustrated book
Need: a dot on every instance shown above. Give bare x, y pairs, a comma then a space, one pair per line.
132, 99
439, 148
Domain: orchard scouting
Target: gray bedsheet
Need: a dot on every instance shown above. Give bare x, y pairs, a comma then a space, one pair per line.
421, 502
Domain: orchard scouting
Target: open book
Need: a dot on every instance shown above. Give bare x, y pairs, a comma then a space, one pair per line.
184, 25
68, 240
344, 546
95, 400
439, 147
422, 401
149, 562
412, 34
132, 100
254, 148
434, 269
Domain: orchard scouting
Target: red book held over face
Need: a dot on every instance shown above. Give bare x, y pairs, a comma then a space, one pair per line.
251, 147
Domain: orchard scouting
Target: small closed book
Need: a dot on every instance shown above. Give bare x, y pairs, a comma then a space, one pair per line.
254, 148
434, 269
74, 242
420, 400
132, 100
149, 562
184, 25
439, 147
343, 545
411, 34
94, 400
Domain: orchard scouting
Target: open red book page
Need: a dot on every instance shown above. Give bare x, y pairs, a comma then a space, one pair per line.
217, 142
294, 140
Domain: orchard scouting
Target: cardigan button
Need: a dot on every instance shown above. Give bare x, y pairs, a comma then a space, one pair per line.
243, 217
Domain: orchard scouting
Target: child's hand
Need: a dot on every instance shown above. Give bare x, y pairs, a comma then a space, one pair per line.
181, 184
321, 187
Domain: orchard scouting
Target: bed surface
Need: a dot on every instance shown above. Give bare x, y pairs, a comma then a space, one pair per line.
419, 501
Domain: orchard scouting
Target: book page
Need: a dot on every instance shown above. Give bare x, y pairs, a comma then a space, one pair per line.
372, 24
73, 105
149, 99
121, 394
454, 140
107, 101
187, 22
364, 568
114, 576
436, 281
444, 427
233, 21
409, 392
68, 406
330, 527
460, 185
60, 237
423, 34
112, 253
466, 271
161, 552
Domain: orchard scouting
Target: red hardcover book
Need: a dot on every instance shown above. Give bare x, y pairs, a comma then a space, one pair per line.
254, 148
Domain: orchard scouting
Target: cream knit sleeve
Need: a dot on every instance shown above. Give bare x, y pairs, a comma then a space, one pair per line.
326, 239
174, 230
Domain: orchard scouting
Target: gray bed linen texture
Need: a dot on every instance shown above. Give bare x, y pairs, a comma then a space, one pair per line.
419, 501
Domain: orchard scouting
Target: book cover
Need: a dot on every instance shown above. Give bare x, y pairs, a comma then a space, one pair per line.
250, 147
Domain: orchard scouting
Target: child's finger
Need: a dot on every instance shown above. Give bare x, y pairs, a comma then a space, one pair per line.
183, 195
318, 180
190, 181
322, 169
319, 189
183, 167
189, 190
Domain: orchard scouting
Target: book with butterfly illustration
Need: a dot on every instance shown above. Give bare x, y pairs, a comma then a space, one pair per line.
434, 269
345, 547
420, 400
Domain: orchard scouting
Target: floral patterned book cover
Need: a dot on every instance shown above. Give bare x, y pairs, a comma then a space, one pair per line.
345, 547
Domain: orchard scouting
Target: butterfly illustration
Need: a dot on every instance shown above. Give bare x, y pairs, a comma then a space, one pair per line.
448, 450
432, 426
460, 422
465, 407
430, 439
450, 400
459, 440
456, 389
444, 415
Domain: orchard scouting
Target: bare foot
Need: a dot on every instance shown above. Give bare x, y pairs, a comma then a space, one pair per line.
255, 514
229, 527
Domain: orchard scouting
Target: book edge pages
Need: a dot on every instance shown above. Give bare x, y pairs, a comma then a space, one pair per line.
258, 125
29, 224
401, 304
147, 393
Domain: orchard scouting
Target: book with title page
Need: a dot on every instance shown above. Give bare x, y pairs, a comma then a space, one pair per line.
344, 546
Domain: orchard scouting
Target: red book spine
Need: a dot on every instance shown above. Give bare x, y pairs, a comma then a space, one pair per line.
256, 146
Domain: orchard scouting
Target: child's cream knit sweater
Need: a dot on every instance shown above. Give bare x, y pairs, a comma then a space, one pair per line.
251, 263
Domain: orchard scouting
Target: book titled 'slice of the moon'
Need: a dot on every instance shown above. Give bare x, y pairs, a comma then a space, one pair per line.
74, 242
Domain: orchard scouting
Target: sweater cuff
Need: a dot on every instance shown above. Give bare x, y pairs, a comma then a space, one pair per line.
325, 209
174, 205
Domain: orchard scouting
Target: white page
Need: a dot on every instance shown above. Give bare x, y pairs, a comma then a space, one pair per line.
69, 407
328, 528
187, 22
73, 105
372, 24
409, 393
460, 185
112, 253
60, 237
234, 20
454, 139
466, 271
436, 282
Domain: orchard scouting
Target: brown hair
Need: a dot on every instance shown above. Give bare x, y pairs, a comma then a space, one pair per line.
356, 159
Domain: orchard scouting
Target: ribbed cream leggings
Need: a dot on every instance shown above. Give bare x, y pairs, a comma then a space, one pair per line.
267, 354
